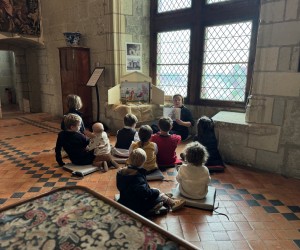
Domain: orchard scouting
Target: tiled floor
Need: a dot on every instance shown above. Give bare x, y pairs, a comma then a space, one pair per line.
263, 208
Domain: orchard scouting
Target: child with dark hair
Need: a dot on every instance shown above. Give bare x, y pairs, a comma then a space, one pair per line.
181, 126
135, 192
193, 176
166, 143
126, 136
150, 148
206, 136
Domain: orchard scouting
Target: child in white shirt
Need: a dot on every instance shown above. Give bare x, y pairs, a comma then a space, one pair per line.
99, 142
193, 176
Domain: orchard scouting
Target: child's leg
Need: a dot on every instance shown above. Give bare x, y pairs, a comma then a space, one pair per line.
97, 162
111, 161
114, 163
105, 166
108, 158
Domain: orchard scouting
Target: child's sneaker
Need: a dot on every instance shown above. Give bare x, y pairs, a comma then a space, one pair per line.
156, 207
170, 195
177, 204
105, 166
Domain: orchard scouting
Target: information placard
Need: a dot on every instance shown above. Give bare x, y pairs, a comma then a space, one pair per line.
95, 77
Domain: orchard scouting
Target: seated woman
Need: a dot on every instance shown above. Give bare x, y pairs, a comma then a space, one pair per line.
181, 126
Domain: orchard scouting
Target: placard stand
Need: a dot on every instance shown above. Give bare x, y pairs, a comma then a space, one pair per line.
92, 82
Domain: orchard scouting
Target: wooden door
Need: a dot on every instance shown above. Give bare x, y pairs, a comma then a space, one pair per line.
75, 73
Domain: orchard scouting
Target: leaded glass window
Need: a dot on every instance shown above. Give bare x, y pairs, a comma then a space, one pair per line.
173, 54
171, 5
215, 1
205, 51
226, 55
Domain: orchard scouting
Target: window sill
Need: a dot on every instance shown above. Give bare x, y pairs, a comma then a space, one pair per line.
226, 117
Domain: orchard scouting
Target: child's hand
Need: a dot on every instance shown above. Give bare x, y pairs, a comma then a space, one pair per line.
179, 122
88, 133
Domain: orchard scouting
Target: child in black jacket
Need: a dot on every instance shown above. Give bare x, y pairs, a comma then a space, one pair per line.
135, 192
206, 136
73, 142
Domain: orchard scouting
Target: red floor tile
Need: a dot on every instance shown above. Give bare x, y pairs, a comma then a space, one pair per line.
27, 151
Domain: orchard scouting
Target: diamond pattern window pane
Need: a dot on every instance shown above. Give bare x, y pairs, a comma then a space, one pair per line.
216, 1
226, 55
170, 5
173, 55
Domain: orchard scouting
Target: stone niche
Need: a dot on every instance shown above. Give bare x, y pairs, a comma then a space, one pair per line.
137, 95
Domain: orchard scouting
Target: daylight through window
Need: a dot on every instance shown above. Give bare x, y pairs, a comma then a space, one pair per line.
170, 5
204, 49
173, 52
226, 55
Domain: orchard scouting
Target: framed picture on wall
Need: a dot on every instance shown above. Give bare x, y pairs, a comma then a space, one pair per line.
135, 92
133, 57
21, 17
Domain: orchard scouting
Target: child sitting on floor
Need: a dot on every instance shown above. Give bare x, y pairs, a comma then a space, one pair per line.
73, 142
193, 176
100, 144
166, 144
150, 148
206, 136
74, 104
125, 136
135, 192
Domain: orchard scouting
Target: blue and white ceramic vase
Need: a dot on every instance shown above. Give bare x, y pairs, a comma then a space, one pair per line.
72, 38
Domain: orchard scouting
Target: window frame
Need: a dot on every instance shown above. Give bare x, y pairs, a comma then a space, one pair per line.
223, 13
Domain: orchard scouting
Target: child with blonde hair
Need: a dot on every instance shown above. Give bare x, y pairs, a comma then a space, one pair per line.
193, 176
135, 192
100, 144
73, 142
150, 148
74, 104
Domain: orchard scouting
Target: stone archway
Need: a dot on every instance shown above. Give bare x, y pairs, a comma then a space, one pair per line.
22, 72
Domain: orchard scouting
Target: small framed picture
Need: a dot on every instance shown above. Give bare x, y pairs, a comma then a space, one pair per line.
133, 57
135, 92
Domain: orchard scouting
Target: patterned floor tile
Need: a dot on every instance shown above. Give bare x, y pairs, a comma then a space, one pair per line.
261, 213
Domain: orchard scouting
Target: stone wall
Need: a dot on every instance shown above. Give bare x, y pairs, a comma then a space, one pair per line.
18, 72
131, 24
271, 139
105, 26
6, 75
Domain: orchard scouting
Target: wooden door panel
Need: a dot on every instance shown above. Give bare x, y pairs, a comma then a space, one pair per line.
75, 73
